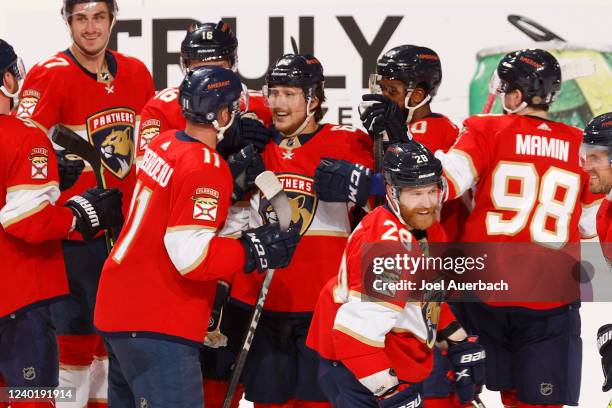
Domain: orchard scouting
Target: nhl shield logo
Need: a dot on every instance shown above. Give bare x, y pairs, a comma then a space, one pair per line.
29, 373
205, 204
112, 134
39, 157
302, 198
546, 389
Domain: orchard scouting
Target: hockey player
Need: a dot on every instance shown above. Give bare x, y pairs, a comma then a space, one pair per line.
596, 159
158, 285
33, 274
98, 93
408, 77
529, 188
206, 44
377, 351
314, 163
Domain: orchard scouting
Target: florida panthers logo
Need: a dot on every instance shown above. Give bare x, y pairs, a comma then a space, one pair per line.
148, 131
205, 204
302, 198
112, 133
39, 156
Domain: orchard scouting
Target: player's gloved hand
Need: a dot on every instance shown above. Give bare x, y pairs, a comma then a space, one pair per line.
245, 166
381, 114
340, 181
467, 358
214, 338
269, 247
69, 169
604, 343
404, 395
253, 131
96, 209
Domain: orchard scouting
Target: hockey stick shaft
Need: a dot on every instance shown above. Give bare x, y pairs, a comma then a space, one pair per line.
478, 403
272, 189
75, 144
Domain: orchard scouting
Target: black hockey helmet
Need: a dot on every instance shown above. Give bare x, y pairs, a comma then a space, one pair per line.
209, 42
299, 70
413, 65
8, 58
207, 89
535, 72
68, 7
598, 135
411, 165
10, 62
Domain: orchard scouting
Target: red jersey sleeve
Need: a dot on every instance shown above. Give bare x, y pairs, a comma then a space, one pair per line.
201, 200
41, 96
159, 115
32, 188
468, 158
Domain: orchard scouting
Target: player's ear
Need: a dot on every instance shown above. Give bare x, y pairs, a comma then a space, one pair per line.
223, 116
9, 82
417, 96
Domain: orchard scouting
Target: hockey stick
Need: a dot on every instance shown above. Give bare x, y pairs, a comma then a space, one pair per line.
573, 69
477, 402
75, 144
273, 191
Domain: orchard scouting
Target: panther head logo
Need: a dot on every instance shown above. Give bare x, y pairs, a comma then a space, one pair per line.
298, 212
118, 144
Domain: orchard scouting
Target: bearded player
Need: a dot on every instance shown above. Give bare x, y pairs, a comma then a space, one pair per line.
158, 286
529, 189
98, 93
376, 350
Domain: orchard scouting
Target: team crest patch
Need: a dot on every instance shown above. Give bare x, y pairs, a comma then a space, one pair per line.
112, 133
302, 198
205, 204
27, 103
39, 156
148, 130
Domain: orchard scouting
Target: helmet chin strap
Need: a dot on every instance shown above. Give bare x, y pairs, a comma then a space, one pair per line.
522, 106
14, 96
221, 129
412, 109
309, 115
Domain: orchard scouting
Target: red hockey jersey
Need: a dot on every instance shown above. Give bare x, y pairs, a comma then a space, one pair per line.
32, 268
60, 91
325, 226
604, 227
369, 335
529, 184
161, 275
163, 112
437, 132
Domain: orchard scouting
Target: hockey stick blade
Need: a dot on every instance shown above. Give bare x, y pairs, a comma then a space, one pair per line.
75, 144
271, 187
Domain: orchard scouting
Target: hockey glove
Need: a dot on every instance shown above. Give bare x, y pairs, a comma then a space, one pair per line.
214, 338
245, 166
406, 396
254, 132
269, 247
604, 343
468, 361
69, 169
96, 209
384, 115
340, 181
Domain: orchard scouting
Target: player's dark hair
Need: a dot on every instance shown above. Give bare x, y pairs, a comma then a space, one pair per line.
319, 93
68, 7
